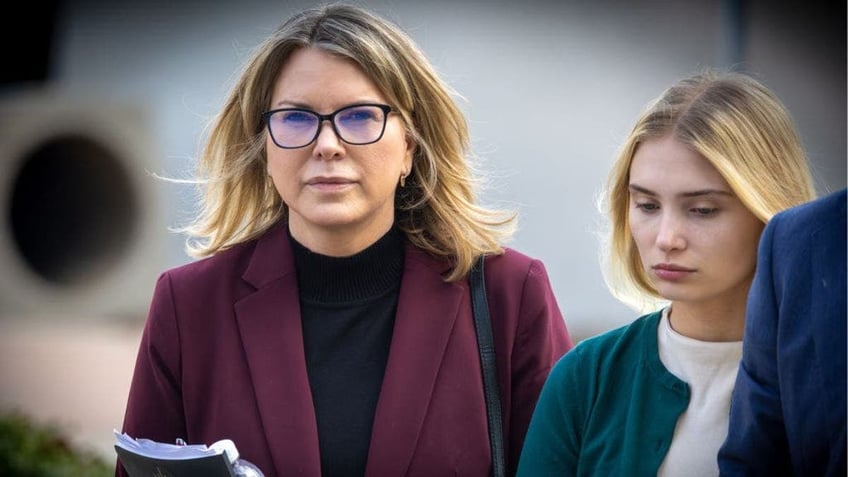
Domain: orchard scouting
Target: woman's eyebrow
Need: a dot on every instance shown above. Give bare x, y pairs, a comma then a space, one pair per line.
693, 193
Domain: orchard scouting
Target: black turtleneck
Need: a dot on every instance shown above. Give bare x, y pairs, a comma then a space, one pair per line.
348, 307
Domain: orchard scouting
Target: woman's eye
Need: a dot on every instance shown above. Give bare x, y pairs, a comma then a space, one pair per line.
357, 115
297, 117
647, 206
704, 211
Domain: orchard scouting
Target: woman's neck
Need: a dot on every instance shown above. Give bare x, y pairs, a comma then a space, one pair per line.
372, 272
338, 241
716, 321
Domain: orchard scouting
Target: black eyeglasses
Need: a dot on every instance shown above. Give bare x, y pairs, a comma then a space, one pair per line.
359, 124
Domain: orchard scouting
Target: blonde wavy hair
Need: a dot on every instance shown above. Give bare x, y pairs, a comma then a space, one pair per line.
436, 209
741, 128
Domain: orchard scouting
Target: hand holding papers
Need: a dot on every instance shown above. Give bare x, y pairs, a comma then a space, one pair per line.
144, 457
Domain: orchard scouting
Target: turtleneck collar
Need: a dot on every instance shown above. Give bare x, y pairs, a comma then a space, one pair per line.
367, 274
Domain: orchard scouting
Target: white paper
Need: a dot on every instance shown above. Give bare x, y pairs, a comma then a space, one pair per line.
161, 450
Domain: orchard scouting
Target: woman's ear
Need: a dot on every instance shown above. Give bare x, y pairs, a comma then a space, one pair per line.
411, 146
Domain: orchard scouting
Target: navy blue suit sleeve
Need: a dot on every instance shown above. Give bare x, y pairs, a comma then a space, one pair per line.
759, 447
788, 411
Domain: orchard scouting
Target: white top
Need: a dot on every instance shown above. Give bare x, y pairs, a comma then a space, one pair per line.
710, 370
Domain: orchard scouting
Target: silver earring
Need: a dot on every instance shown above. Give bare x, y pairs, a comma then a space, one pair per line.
403, 179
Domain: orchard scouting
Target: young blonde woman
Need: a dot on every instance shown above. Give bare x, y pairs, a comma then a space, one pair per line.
704, 168
329, 331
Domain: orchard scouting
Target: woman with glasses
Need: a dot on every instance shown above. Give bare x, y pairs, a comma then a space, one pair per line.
328, 329
704, 168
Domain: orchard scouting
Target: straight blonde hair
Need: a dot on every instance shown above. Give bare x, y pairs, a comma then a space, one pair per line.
741, 128
436, 209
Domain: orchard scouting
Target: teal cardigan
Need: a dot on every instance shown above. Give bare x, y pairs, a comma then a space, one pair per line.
608, 407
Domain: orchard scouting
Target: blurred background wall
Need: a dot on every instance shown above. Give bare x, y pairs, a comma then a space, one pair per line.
99, 96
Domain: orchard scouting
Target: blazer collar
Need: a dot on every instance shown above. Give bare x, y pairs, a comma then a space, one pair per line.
427, 309
272, 257
271, 331
270, 327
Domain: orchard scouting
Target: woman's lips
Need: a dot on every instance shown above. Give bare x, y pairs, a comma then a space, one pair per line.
329, 184
671, 272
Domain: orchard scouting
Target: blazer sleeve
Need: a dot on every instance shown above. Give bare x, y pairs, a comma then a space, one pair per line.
757, 443
541, 339
552, 446
154, 407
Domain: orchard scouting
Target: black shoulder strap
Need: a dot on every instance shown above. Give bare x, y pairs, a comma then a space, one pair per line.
486, 343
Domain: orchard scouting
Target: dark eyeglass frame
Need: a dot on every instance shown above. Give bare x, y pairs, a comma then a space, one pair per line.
266, 118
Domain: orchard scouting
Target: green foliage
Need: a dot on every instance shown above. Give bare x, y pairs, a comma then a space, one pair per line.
31, 450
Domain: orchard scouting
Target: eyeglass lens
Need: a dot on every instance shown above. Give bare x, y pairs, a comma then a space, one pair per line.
358, 124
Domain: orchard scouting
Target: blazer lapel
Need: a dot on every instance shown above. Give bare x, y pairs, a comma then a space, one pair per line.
270, 327
427, 311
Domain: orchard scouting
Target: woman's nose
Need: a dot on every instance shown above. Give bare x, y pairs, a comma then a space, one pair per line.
328, 145
671, 233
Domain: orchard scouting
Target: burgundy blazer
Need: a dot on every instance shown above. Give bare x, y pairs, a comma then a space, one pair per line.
222, 357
